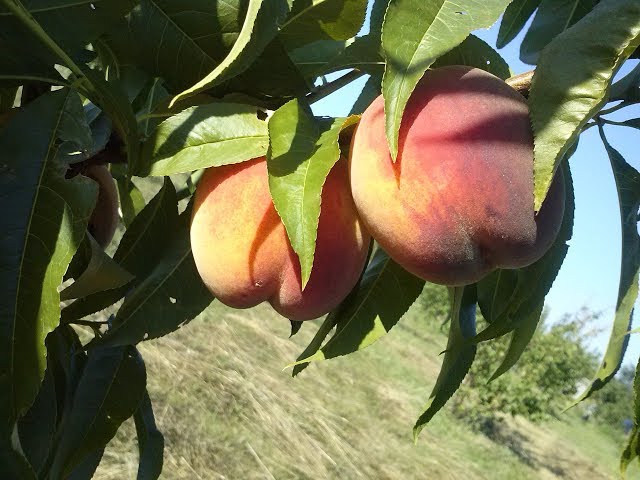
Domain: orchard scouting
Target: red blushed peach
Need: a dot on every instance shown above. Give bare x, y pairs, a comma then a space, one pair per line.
458, 201
243, 254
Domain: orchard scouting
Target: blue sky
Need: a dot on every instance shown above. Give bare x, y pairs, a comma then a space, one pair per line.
590, 273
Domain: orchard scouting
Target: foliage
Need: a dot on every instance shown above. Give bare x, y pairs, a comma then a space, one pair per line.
540, 385
168, 88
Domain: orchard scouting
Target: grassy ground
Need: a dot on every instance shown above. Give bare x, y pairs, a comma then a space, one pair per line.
228, 411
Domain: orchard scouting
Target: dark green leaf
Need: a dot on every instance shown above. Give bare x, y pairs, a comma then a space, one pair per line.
131, 200
300, 157
520, 338
312, 20
140, 248
385, 293
87, 467
155, 94
627, 88
171, 295
259, 28
628, 185
295, 327
415, 34
101, 273
567, 90
458, 356
37, 427
311, 59
110, 390
150, 441
476, 53
363, 53
552, 18
204, 136
514, 19
44, 222
369, 93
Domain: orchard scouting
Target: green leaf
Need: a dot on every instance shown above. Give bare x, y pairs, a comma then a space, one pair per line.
87, 468
110, 390
632, 450
458, 356
150, 441
514, 19
369, 93
627, 88
139, 250
475, 52
299, 159
414, 35
628, 185
385, 293
552, 18
207, 135
363, 53
567, 90
88, 82
37, 427
102, 273
44, 221
70, 24
311, 59
520, 339
312, 20
131, 200
171, 295
153, 96
259, 28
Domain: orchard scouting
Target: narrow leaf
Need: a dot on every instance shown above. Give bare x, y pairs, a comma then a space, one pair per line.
102, 273
299, 159
414, 35
207, 135
138, 252
321, 20
110, 390
628, 185
475, 52
567, 90
171, 295
150, 441
44, 220
458, 356
552, 18
514, 19
259, 28
385, 293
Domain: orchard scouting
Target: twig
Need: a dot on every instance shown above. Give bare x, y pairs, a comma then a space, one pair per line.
615, 108
521, 82
328, 88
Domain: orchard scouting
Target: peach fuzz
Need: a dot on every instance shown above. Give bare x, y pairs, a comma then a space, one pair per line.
243, 254
458, 201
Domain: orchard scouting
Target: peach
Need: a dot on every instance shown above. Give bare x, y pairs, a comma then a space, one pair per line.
458, 201
243, 254
104, 218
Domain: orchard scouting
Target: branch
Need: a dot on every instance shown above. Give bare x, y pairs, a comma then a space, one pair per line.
521, 82
328, 88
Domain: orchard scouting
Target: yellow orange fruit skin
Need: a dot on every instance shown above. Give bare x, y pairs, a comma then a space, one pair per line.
458, 201
244, 257
104, 218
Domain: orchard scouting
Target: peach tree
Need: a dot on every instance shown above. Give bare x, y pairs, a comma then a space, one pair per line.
96, 98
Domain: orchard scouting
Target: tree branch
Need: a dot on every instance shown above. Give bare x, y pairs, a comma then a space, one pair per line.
521, 82
328, 88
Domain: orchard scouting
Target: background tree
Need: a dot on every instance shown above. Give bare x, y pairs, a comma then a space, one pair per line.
167, 89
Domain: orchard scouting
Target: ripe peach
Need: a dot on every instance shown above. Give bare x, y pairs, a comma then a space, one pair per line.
243, 254
458, 201
104, 218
